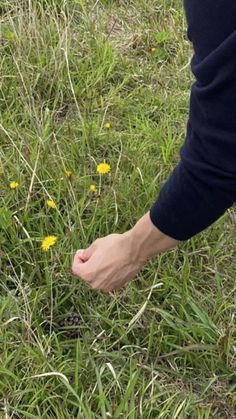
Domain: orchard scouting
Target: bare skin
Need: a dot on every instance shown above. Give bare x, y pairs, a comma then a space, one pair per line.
112, 261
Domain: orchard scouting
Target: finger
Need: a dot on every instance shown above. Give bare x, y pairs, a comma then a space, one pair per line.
77, 259
78, 266
97, 284
83, 270
79, 255
96, 287
85, 254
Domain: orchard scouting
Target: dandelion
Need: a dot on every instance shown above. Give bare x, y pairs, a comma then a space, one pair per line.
153, 49
51, 204
93, 188
107, 125
68, 173
48, 242
14, 185
103, 168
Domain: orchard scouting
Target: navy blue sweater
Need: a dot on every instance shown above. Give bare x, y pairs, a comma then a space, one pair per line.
203, 185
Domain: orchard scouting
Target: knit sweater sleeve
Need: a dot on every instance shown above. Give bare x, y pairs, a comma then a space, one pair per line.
203, 184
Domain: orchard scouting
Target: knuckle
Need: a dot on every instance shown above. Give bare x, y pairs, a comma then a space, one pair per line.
91, 275
73, 270
98, 241
88, 276
76, 270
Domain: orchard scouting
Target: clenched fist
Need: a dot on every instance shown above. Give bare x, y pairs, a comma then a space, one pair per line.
108, 263
113, 260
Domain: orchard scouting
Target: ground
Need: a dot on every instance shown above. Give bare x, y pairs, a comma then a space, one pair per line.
82, 83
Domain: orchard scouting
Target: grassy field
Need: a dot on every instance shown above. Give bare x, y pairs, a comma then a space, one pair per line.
83, 82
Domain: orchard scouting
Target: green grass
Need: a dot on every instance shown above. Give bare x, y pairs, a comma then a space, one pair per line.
164, 347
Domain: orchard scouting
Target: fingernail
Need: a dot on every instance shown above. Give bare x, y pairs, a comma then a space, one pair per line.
79, 252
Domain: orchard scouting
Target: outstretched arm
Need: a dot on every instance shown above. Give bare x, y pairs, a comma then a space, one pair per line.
203, 184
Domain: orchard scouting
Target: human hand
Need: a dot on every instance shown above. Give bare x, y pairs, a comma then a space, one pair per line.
108, 263
113, 260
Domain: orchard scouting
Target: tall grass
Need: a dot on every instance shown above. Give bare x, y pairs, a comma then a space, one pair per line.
164, 347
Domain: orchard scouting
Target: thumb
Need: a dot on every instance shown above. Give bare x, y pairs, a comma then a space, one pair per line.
79, 255
85, 254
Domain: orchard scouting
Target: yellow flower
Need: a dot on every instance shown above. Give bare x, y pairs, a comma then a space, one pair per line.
153, 49
14, 185
107, 125
48, 242
51, 204
103, 168
93, 188
68, 173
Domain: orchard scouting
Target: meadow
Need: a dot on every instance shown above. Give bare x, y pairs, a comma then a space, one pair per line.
83, 82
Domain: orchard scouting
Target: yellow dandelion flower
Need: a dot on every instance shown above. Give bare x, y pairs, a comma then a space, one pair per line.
107, 125
103, 168
51, 204
153, 49
68, 173
93, 188
48, 242
14, 185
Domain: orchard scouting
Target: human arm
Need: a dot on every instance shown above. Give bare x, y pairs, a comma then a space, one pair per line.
112, 261
203, 184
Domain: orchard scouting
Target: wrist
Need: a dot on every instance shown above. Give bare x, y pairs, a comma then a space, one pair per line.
146, 240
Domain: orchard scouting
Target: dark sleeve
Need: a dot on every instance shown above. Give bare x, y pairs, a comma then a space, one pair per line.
203, 185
